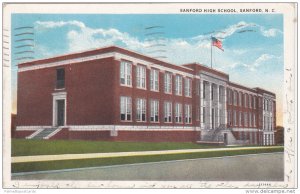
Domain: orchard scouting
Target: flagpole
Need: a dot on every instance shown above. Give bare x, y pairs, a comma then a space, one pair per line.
210, 51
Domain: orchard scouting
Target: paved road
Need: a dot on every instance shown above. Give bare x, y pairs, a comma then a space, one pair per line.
260, 167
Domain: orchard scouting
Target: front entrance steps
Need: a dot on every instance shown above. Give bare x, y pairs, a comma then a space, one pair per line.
44, 133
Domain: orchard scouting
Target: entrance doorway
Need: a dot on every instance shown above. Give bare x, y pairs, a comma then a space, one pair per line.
60, 113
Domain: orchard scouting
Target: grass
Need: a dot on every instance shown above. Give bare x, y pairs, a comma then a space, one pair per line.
26, 147
67, 164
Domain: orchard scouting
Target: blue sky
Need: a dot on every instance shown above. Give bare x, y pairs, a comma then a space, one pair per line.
253, 43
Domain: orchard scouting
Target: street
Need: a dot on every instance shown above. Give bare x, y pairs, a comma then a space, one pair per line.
255, 167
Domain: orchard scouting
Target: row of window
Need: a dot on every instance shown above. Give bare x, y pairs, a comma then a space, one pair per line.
239, 99
141, 110
126, 79
235, 118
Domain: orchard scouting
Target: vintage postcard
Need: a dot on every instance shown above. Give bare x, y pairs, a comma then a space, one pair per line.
150, 95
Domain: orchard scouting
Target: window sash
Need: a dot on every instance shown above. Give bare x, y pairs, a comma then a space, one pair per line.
188, 87
178, 85
125, 73
141, 76
168, 83
245, 119
125, 108
188, 114
141, 110
154, 84
154, 113
168, 112
178, 113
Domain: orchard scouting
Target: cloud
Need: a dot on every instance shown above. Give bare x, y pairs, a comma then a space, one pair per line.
270, 32
176, 50
52, 24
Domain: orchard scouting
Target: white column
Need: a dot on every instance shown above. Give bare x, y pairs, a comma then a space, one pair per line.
225, 105
218, 112
210, 104
201, 104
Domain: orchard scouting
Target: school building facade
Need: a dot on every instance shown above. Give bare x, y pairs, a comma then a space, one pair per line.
115, 94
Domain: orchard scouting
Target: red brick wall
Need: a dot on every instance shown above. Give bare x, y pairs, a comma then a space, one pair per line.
34, 102
62, 134
90, 92
22, 134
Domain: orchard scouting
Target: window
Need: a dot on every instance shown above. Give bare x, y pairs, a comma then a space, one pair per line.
154, 108
240, 98
254, 120
178, 85
250, 101
250, 119
229, 97
60, 78
125, 108
168, 83
188, 114
198, 87
246, 100
229, 117
245, 119
235, 98
168, 112
234, 118
140, 76
140, 110
220, 94
125, 73
178, 113
240, 119
154, 83
203, 114
188, 87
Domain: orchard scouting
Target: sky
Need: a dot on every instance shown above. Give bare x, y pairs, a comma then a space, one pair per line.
252, 43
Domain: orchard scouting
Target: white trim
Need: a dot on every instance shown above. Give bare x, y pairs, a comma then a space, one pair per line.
130, 128
116, 55
31, 128
58, 96
209, 74
245, 129
67, 62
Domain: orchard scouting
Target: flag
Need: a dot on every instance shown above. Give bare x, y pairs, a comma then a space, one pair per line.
217, 43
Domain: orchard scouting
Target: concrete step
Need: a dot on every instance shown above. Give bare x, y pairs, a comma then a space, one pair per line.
44, 133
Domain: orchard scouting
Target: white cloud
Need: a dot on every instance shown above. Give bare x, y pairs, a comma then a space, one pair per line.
177, 50
52, 24
272, 32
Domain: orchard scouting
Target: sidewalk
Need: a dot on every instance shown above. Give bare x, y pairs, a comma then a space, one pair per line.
42, 158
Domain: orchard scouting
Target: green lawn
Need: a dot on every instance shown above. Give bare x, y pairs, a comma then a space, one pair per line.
67, 164
25, 147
